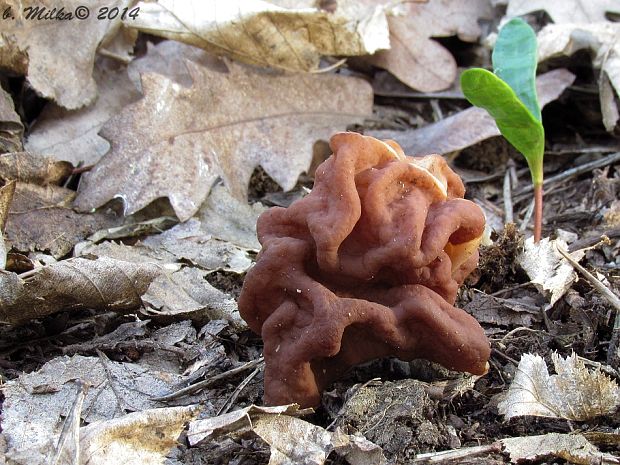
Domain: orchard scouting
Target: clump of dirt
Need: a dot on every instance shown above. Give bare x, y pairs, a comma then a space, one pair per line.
398, 416
498, 266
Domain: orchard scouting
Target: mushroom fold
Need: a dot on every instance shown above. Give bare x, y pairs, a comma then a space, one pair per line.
365, 266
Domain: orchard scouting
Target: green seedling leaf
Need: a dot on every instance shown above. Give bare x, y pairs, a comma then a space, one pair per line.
514, 120
514, 61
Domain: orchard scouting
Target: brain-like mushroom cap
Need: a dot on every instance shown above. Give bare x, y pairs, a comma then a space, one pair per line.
365, 266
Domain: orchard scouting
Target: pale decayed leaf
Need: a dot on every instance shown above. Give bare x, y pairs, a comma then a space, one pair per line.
292, 440
547, 268
45, 397
176, 141
144, 437
573, 448
261, 33
602, 39
415, 58
471, 125
567, 11
57, 56
102, 284
574, 393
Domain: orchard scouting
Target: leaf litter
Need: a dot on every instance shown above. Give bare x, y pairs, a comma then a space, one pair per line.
191, 271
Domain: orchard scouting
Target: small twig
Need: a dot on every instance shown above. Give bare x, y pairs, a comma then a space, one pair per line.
208, 382
507, 191
231, 400
82, 169
68, 442
329, 68
517, 330
505, 357
596, 283
456, 455
527, 217
586, 167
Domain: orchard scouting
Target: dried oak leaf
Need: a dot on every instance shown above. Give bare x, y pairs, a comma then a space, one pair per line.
415, 58
73, 135
176, 141
574, 393
57, 56
41, 218
261, 33
11, 127
102, 284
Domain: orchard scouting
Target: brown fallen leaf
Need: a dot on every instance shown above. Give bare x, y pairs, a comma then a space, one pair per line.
567, 11
265, 34
71, 135
28, 167
56, 56
102, 284
41, 218
11, 127
469, 126
176, 141
415, 58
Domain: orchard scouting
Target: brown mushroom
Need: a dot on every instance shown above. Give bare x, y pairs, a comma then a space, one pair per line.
365, 266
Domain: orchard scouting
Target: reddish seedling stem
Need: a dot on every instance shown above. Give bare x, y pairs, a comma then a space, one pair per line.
538, 210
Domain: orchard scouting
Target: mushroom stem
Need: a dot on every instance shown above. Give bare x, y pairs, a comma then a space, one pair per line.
538, 211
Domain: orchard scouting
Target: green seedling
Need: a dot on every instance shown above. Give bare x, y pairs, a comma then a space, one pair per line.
509, 95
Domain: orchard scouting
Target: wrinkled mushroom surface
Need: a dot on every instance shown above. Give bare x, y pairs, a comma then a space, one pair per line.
365, 266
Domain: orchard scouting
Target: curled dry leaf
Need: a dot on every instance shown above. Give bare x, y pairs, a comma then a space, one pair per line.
182, 292
261, 33
472, 125
416, 59
547, 268
46, 51
41, 219
28, 167
574, 393
102, 284
11, 127
145, 437
292, 440
176, 141
573, 448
